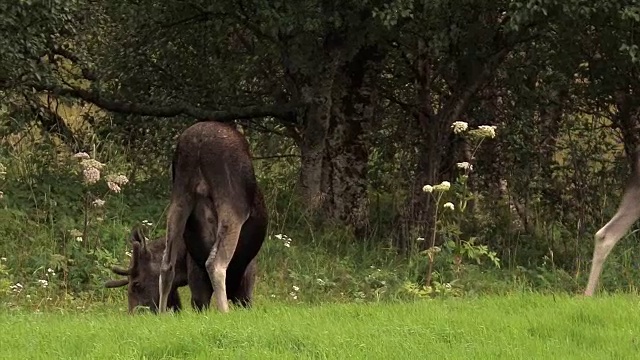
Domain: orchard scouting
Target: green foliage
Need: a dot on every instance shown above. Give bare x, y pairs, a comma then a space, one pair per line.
44, 209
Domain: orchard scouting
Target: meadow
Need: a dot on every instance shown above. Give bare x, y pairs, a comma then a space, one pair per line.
523, 326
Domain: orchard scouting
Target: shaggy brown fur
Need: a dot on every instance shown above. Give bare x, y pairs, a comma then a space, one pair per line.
213, 196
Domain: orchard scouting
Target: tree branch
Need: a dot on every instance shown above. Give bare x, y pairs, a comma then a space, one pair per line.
276, 157
282, 112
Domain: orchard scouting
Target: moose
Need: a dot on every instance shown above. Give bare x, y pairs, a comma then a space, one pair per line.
213, 194
608, 236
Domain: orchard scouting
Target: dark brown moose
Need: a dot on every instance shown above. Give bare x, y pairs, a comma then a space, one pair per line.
144, 270
213, 195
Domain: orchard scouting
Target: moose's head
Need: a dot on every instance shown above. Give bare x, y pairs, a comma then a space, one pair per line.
142, 274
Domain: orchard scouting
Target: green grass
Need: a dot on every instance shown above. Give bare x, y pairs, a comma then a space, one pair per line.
513, 327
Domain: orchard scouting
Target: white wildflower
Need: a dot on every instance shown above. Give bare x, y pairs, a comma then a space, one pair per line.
50, 271
91, 163
420, 239
91, 175
75, 232
79, 238
295, 288
443, 186
44, 283
449, 205
427, 188
459, 126
128, 253
486, 131
320, 282
98, 202
3, 259
465, 165
147, 223
284, 238
121, 180
81, 155
113, 187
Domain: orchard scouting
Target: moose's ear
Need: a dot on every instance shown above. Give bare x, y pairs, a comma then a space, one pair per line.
116, 283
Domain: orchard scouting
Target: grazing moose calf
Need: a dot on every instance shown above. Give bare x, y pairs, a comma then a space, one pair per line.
213, 196
609, 235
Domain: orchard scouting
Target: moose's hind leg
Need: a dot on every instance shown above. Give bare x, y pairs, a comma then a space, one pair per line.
609, 235
200, 286
228, 233
241, 289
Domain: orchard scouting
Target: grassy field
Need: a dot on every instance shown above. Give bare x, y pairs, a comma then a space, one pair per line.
512, 327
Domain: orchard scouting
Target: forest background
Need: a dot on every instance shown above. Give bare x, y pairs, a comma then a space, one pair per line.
522, 116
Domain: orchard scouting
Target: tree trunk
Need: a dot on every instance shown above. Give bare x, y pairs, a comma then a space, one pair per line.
314, 134
346, 162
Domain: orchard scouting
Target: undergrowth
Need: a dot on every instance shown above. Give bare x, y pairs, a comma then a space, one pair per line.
61, 229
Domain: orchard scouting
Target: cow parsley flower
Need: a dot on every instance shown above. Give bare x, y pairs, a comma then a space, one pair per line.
284, 238
81, 155
459, 126
75, 232
91, 163
121, 180
98, 203
443, 186
427, 188
464, 165
486, 131
449, 206
17, 287
91, 175
114, 187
